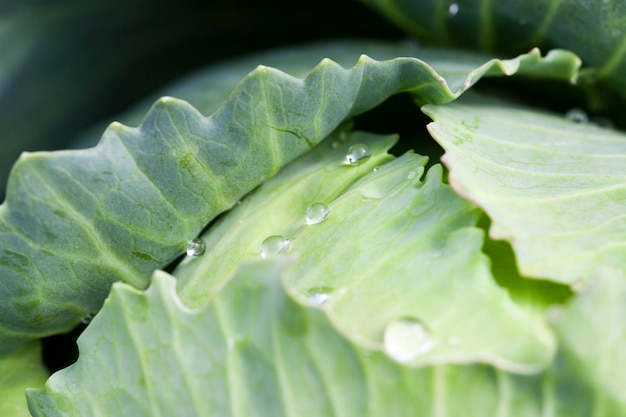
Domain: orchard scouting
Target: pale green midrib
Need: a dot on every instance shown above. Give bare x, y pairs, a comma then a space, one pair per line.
279, 369
504, 393
173, 312
135, 339
272, 140
219, 315
217, 183
322, 95
104, 250
318, 366
144, 175
439, 388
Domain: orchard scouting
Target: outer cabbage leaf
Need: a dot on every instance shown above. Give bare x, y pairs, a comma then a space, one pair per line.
393, 247
593, 30
255, 351
75, 221
553, 188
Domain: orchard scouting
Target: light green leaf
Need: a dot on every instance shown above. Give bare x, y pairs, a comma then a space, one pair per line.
20, 370
377, 213
553, 188
75, 221
254, 351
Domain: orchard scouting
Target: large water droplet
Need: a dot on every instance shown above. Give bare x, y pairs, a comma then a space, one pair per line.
357, 153
318, 296
406, 339
453, 9
577, 115
274, 245
195, 247
317, 213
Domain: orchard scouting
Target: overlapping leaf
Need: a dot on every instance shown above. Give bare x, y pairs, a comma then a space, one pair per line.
74, 222
554, 188
255, 351
389, 248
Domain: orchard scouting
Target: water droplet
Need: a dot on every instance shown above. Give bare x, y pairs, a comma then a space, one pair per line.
195, 247
357, 153
406, 339
317, 213
577, 115
87, 319
453, 9
375, 169
274, 245
318, 296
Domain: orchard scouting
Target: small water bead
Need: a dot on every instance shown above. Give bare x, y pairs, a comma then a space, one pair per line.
195, 247
274, 245
357, 153
317, 213
453, 9
577, 115
406, 339
318, 296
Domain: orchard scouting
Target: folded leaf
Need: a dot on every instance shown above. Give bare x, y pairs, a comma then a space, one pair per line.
552, 187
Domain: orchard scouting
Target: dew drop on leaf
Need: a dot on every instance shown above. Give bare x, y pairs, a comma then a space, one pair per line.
577, 115
406, 339
195, 247
274, 245
357, 153
318, 296
317, 213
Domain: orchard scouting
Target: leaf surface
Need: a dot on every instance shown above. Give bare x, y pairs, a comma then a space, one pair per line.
391, 248
552, 187
75, 221
253, 350
19, 370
